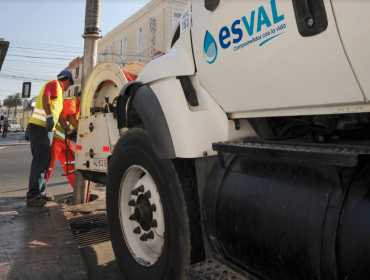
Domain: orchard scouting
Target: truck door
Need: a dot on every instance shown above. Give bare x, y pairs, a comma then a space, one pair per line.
265, 55
352, 19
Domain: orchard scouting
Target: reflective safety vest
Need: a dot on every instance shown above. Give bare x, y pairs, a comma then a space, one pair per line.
56, 107
59, 133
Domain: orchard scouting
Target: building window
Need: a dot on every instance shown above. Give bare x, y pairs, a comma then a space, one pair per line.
110, 52
139, 39
122, 48
77, 72
125, 45
76, 91
175, 19
104, 54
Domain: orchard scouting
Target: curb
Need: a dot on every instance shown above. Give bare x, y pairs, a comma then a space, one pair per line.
73, 264
15, 144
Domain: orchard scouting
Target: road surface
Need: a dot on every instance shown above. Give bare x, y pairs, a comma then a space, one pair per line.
15, 164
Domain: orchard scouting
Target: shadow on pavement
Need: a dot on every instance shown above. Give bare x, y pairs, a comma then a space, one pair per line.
37, 243
101, 262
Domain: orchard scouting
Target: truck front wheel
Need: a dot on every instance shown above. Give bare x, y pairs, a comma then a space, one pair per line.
153, 211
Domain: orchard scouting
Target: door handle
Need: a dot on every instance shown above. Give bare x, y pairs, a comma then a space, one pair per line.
310, 16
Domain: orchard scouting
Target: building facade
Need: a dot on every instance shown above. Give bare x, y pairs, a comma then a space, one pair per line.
75, 66
142, 34
17, 116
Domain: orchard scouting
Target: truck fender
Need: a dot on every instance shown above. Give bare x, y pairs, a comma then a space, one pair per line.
146, 103
128, 90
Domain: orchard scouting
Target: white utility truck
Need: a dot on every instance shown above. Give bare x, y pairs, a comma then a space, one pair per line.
243, 152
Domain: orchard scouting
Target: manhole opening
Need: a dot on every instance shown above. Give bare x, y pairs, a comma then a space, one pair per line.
90, 229
67, 201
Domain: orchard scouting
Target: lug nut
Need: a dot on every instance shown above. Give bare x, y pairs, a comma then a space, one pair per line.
132, 202
153, 223
144, 237
153, 207
137, 230
150, 235
148, 194
147, 236
137, 190
132, 217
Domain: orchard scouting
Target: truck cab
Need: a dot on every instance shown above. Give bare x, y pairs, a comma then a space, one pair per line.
244, 149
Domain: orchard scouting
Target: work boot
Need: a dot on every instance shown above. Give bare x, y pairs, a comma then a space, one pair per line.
38, 202
47, 197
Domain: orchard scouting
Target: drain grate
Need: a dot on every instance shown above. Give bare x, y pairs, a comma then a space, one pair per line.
90, 229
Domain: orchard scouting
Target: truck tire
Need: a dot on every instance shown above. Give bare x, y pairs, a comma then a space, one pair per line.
145, 249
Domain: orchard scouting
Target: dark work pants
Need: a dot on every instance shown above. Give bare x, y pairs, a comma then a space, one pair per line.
5, 132
40, 148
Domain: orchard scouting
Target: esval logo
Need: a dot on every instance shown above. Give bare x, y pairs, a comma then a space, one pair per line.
225, 40
210, 48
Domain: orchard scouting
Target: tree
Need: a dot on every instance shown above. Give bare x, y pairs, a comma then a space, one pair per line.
11, 101
17, 101
8, 103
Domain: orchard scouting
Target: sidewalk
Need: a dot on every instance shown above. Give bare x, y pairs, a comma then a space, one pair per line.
37, 243
13, 140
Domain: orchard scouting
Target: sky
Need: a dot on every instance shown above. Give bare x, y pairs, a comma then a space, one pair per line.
45, 35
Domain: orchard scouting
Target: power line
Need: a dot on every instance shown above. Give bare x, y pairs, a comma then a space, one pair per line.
25, 75
20, 78
5, 36
46, 50
7, 91
58, 58
10, 71
32, 62
45, 45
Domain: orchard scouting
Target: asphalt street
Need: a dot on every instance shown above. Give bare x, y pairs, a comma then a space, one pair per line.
15, 164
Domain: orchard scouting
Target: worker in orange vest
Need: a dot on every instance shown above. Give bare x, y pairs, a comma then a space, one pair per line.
71, 111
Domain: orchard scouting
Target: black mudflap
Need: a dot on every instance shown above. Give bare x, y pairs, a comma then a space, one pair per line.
212, 269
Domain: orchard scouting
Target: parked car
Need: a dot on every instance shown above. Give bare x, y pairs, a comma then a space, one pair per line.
27, 134
14, 128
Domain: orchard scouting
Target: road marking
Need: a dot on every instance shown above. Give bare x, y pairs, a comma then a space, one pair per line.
4, 147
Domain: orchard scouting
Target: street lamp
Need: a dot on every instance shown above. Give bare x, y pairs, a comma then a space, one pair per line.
123, 64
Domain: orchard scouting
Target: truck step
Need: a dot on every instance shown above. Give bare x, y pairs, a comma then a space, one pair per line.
330, 154
212, 269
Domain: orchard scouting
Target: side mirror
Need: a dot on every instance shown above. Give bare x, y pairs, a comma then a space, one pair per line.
211, 5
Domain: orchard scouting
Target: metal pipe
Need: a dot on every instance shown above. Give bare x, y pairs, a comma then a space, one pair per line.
91, 36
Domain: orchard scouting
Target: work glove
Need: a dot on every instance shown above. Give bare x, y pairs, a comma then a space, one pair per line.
72, 135
49, 123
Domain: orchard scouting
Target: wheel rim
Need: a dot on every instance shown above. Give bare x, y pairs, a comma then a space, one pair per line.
142, 223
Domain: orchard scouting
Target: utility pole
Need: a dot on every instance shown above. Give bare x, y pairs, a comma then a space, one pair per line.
91, 36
